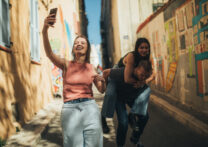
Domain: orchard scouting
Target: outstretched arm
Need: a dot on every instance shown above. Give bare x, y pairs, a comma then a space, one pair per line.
152, 76
59, 62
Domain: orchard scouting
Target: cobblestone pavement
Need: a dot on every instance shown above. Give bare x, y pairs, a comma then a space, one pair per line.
162, 130
52, 135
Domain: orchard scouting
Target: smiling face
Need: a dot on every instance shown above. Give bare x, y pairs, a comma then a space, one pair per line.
140, 73
80, 46
143, 49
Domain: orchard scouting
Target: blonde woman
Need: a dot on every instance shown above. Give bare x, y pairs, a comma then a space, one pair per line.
80, 116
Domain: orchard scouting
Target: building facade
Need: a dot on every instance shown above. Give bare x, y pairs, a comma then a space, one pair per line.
119, 22
28, 79
178, 33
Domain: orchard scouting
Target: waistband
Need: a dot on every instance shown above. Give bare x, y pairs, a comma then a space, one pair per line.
79, 100
79, 104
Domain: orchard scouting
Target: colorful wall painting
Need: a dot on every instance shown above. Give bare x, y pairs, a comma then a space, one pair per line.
170, 76
200, 25
56, 72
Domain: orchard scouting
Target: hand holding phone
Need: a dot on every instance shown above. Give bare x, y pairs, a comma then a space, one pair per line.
53, 12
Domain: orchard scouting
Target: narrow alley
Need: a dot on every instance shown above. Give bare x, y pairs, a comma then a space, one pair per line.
56, 51
163, 130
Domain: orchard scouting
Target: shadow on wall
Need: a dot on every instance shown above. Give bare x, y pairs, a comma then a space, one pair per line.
20, 96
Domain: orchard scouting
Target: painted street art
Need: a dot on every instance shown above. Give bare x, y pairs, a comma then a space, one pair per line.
170, 76
158, 59
172, 50
56, 72
184, 16
65, 35
181, 64
200, 27
170, 28
61, 48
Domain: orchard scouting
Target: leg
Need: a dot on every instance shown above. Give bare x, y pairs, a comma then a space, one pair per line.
106, 129
71, 127
138, 116
141, 123
108, 104
109, 99
122, 117
92, 133
141, 102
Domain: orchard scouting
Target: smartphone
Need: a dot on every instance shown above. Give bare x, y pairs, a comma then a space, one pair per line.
53, 11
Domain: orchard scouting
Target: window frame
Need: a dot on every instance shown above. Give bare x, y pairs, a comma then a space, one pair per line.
34, 33
5, 44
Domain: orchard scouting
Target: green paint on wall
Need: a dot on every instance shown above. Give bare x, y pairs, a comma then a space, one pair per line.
190, 61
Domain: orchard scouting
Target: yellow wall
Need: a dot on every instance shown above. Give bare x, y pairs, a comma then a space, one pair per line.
117, 50
23, 83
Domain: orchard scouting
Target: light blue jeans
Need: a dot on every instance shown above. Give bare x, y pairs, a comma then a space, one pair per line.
81, 124
140, 104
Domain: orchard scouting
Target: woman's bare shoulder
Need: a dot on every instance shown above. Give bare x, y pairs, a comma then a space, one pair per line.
129, 58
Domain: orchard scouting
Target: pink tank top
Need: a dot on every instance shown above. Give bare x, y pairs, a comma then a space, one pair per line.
77, 82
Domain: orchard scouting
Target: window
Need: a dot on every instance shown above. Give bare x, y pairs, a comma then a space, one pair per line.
34, 32
4, 24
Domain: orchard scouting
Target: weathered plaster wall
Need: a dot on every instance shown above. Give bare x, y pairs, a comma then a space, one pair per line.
116, 32
179, 49
25, 87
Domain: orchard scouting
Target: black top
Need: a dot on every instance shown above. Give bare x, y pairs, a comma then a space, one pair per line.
125, 92
137, 58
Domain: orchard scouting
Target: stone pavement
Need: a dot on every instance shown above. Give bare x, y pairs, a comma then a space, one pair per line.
45, 130
30, 134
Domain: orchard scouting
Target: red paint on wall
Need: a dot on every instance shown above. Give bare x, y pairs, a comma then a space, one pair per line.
200, 76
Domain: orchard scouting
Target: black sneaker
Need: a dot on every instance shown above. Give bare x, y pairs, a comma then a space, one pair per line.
105, 126
135, 137
140, 145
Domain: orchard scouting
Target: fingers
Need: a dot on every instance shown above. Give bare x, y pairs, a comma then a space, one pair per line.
98, 78
50, 20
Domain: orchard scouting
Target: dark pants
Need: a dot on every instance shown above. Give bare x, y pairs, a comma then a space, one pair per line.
122, 116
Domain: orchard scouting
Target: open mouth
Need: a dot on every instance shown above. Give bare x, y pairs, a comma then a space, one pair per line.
79, 47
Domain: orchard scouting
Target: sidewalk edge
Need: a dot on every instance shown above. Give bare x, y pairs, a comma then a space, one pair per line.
181, 116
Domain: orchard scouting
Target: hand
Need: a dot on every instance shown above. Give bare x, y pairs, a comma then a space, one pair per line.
106, 74
49, 19
139, 84
97, 78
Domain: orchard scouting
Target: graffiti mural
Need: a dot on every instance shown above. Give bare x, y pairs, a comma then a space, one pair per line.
179, 49
63, 49
159, 67
56, 72
200, 27
172, 50
184, 16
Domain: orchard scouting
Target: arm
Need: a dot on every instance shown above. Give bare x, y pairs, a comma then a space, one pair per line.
99, 82
59, 62
117, 74
129, 68
152, 76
